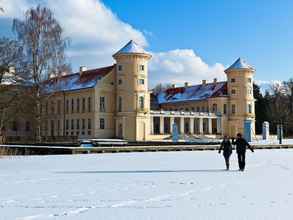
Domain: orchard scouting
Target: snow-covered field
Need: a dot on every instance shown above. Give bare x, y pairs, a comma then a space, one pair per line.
145, 186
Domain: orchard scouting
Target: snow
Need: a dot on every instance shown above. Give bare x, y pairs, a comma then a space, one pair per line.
192, 93
131, 47
240, 64
147, 186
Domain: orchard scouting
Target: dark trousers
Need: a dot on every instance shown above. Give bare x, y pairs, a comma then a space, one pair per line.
227, 161
241, 160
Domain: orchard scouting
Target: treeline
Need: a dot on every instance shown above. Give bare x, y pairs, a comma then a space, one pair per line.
275, 106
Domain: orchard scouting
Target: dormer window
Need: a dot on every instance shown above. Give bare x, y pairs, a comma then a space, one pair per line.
120, 67
233, 80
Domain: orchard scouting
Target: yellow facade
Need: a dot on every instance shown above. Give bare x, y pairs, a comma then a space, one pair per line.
118, 106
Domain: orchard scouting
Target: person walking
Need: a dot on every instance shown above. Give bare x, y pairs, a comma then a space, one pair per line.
241, 145
2, 135
226, 146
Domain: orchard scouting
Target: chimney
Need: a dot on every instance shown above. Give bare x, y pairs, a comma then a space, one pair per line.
12, 69
204, 82
52, 75
82, 69
186, 84
215, 80
173, 86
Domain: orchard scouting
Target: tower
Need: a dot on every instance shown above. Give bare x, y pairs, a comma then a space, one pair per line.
132, 119
241, 100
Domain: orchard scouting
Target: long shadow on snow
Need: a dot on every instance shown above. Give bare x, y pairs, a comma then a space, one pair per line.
143, 171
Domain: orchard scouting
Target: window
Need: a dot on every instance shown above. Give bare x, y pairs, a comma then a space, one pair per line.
225, 109
198, 109
67, 124
46, 108
27, 126
72, 124
77, 124
52, 127
77, 105
141, 81
67, 106
58, 126
72, 105
89, 124
59, 107
14, 126
83, 105
233, 91
120, 81
141, 102
120, 104
214, 109
120, 67
233, 109
249, 91
102, 104
249, 80
202, 108
102, 123
141, 67
83, 124
89, 104
249, 108
192, 109
233, 80
52, 107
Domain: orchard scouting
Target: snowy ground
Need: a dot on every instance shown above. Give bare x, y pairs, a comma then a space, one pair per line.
145, 186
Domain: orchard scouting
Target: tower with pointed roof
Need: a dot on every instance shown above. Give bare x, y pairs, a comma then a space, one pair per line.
132, 96
240, 92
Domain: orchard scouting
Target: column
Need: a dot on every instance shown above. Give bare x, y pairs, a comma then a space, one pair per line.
210, 126
191, 125
181, 125
171, 124
219, 125
161, 125
152, 124
200, 125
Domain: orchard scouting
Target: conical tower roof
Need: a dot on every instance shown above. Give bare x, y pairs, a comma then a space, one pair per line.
131, 47
240, 64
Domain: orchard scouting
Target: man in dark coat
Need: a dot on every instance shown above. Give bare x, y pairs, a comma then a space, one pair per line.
226, 146
241, 145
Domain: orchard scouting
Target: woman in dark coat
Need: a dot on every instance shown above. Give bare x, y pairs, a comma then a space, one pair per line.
226, 146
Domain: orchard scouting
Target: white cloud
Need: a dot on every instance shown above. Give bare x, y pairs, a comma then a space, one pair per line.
13, 8
96, 33
182, 65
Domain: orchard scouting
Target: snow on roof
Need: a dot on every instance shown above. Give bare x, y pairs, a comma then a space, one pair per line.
192, 93
75, 81
131, 47
239, 64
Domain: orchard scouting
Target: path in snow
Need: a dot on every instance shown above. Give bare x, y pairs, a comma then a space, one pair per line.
165, 185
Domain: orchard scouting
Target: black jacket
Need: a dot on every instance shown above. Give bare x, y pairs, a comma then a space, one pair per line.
226, 146
241, 145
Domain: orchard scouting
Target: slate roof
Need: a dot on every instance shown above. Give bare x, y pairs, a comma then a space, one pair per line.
131, 47
240, 64
192, 93
88, 79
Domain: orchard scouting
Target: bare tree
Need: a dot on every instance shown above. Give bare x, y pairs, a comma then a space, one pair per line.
10, 56
41, 38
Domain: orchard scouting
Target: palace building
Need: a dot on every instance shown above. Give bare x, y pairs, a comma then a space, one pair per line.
114, 102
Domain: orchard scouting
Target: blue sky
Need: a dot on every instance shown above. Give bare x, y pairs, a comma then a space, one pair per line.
190, 40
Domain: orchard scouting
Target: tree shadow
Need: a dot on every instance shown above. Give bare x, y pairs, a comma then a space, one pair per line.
143, 171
